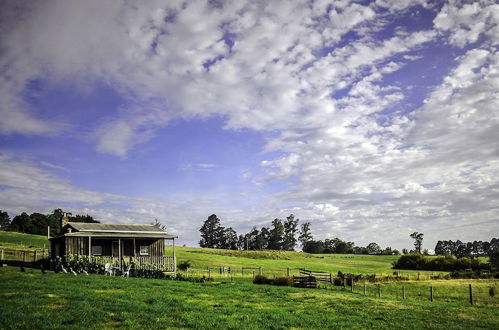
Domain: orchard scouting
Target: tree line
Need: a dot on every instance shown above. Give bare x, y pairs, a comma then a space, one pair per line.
37, 223
280, 235
467, 249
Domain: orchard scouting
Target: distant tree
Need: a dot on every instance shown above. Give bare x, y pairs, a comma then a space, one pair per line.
38, 224
404, 251
305, 234
360, 250
262, 240
210, 232
396, 252
89, 219
21, 222
241, 244
313, 247
276, 241
156, 223
54, 221
230, 239
388, 251
494, 259
373, 248
4, 220
290, 230
418, 241
337, 245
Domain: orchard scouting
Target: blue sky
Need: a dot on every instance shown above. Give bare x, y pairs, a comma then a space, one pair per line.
369, 119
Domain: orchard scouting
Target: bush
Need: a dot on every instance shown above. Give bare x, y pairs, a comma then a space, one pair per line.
183, 266
492, 291
260, 279
337, 281
282, 281
443, 263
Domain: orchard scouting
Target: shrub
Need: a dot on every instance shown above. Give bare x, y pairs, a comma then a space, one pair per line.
492, 291
184, 265
337, 281
260, 279
443, 263
282, 281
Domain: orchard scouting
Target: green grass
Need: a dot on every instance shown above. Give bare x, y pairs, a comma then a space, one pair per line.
32, 300
277, 262
24, 241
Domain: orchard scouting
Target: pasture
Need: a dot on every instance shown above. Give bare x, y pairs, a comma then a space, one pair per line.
33, 300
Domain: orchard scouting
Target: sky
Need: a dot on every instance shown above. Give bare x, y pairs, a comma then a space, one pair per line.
368, 119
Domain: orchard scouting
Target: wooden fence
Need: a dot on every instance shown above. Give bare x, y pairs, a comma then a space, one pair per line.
24, 255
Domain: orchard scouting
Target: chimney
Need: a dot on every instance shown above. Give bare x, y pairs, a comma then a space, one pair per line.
64, 220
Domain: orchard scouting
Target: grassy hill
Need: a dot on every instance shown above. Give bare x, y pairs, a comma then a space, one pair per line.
278, 261
32, 300
273, 262
24, 241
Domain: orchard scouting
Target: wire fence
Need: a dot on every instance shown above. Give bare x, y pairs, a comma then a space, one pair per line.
398, 285
423, 287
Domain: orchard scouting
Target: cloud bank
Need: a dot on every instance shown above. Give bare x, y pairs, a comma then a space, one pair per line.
366, 151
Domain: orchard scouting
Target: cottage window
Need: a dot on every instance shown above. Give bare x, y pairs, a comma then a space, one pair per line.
144, 250
96, 250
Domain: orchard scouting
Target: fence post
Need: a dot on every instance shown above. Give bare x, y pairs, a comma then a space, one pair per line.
253, 275
287, 271
471, 295
431, 293
260, 271
2, 254
24, 256
209, 274
379, 290
364, 288
34, 256
403, 292
351, 283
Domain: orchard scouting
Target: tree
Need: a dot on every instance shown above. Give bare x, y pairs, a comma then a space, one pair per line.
156, 223
276, 235
262, 240
312, 246
210, 232
404, 251
230, 239
38, 224
4, 219
418, 241
21, 222
89, 219
290, 230
305, 234
373, 248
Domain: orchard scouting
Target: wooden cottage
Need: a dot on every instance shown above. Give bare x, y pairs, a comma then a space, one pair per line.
117, 243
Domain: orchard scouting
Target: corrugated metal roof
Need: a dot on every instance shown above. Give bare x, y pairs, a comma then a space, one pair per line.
119, 235
113, 227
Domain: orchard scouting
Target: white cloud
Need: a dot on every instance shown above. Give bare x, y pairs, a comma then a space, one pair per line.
355, 162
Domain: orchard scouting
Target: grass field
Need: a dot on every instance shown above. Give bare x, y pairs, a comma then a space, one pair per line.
24, 241
32, 300
277, 262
